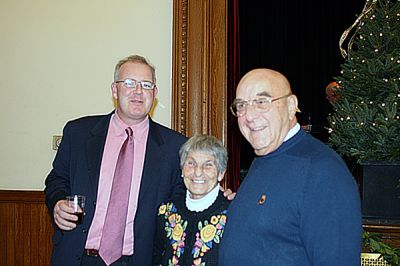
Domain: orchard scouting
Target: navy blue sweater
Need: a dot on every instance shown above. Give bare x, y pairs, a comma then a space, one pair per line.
298, 205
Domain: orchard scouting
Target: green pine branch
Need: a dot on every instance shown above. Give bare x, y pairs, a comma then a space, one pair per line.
365, 122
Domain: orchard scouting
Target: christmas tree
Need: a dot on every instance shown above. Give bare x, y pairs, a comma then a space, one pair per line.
365, 121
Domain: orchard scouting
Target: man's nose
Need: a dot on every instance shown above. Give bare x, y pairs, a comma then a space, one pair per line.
138, 88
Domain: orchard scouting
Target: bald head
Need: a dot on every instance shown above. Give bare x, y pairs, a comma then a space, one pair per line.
266, 125
272, 80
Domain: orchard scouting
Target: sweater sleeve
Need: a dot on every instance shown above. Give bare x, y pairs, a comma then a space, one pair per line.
331, 214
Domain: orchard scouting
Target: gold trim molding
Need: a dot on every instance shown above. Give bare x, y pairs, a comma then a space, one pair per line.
199, 67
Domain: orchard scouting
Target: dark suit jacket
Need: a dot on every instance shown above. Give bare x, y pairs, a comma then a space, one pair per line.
76, 170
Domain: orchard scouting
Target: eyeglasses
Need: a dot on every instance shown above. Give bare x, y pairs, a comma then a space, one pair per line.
132, 83
261, 105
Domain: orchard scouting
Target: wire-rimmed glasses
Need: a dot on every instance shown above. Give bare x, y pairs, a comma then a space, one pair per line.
261, 104
132, 83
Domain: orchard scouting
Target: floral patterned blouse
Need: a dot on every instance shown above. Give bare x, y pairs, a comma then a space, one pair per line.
186, 238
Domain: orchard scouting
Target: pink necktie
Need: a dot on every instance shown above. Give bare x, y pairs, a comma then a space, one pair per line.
112, 240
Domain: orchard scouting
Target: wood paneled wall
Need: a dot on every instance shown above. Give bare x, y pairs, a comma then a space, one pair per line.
25, 229
199, 67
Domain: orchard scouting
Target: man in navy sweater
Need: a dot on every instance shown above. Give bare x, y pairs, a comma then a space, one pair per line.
299, 204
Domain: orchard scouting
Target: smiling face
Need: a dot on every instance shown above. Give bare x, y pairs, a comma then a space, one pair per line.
200, 173
134, 104
266, 131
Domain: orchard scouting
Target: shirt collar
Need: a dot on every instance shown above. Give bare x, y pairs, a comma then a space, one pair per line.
292, 132
121, 125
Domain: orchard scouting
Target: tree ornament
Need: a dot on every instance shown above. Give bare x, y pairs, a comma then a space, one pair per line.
333, 92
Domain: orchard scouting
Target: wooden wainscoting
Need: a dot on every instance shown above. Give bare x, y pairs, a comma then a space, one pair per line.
25, 229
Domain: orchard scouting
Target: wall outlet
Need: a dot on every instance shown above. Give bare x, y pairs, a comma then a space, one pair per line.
56, 141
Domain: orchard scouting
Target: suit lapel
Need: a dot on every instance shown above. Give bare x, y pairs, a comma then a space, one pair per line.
94, 150
154, 152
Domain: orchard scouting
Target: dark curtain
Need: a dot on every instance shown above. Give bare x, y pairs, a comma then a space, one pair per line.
234, 137
300, 39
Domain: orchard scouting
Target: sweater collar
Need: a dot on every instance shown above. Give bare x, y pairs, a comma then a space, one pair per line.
290, 141
199, 205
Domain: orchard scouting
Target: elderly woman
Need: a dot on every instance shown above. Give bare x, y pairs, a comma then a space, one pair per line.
190, 227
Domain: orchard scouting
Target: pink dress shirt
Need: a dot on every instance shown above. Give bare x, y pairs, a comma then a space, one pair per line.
115, 137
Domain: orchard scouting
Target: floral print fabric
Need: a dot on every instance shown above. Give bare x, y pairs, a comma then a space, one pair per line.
190, 240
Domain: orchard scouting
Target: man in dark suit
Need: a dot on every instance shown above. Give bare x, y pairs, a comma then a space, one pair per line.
85, 165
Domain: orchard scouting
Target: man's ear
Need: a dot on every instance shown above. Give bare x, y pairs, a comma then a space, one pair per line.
155, 91
292, 105
114, 90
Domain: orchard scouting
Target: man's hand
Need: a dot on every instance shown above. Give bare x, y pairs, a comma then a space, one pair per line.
64, 216
228, 193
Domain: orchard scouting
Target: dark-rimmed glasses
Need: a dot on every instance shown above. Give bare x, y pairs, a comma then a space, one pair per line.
132, 83
261, 104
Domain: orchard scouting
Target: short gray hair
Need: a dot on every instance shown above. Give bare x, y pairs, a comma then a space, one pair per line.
209, 145
134, 59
